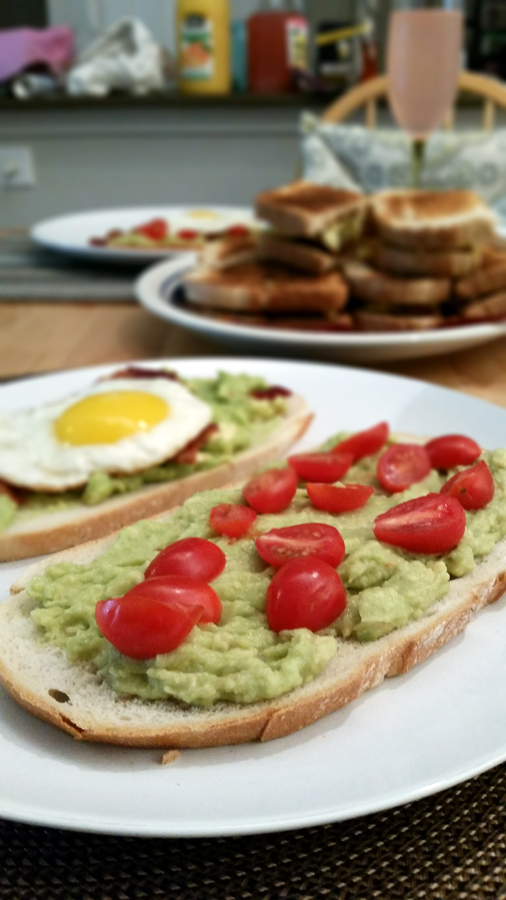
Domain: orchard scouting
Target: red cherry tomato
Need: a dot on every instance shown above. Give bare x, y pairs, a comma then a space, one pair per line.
434, 523
473, 487
232, 519
272, 490
181, 590
187, 234
452, 450
156, 229
191, 556
305, 593
156, 615
402, 465
270, 393
364, 443
238, 231
319, 541
338, 498
327, 467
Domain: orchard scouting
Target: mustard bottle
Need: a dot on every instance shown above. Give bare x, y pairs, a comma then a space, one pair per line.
203, 46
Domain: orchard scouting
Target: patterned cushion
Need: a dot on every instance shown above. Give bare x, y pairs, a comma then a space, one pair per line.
374, 159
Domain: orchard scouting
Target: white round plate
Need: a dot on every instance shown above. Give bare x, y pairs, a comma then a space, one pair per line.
71, 234
159, 290
412, 736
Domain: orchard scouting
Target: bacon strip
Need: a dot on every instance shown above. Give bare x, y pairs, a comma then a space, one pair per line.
189, 453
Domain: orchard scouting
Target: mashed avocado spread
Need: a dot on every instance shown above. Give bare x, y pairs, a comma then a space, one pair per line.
241, 659
243, 420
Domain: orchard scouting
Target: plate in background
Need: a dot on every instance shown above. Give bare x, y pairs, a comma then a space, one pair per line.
71, 233
414, 735
159, 290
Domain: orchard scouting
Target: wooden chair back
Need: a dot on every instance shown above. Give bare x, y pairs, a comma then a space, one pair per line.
367, 95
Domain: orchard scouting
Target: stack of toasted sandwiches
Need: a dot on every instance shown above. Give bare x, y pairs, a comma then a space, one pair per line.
426, 246
288, 274
332, 259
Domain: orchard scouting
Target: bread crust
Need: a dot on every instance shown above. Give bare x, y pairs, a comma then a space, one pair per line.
303, 209
374, 286
266, 287
422, 263
71, 697
297, 255
436, 220
56, 531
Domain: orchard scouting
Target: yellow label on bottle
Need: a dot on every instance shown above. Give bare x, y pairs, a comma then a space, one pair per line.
297, 42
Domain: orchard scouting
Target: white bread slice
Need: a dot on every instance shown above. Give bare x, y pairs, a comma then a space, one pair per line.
71, 697
374, 286
298, 255
48, 532
304, 209
486, 281
265, 287
491, 307
425, 263
434, 220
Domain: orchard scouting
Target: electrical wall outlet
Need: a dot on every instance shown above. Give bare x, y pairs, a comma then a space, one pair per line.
16, 166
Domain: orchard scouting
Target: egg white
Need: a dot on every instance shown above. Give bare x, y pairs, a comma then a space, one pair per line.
31, 455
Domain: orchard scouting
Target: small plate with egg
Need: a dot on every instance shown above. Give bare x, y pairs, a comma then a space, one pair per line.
142, 234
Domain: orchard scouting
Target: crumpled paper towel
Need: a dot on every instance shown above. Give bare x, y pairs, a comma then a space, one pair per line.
125, 58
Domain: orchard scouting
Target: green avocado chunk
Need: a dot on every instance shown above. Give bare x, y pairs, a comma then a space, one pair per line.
241, 659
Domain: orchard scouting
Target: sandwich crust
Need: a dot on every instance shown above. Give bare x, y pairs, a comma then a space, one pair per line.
375, 286
423, 263
434, 220
303, 209
296, 254
486, 281
265, 287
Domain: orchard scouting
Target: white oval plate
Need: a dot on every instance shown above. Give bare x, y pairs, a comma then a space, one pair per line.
414, 735
71, 233
159, 289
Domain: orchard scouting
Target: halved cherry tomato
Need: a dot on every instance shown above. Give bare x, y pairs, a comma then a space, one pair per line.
473, 487
187, 234
238, 231
181, 590
402, 465
338, 498
191, 556
272, 490
315, 539
305, 593
451, 450
142, 628
156, 229
232, 519
434, 523
327, 467
364, 443
156, 615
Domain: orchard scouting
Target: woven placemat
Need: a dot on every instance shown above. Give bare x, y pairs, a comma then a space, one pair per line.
451, 846
29, 272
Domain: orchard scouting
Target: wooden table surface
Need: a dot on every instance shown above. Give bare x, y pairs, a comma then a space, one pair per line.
41, 337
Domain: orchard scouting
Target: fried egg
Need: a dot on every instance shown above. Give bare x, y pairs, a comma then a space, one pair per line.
209, 221
119, 425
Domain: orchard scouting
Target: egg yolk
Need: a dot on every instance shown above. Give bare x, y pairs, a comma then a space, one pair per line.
107, 418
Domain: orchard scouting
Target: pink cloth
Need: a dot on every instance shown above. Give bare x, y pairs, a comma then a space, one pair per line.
24, 47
